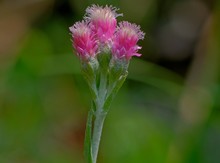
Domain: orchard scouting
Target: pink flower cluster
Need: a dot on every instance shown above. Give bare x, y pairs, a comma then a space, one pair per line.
99, 29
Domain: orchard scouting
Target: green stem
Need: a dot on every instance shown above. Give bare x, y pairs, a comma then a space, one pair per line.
99, 116
102, 89
97, 132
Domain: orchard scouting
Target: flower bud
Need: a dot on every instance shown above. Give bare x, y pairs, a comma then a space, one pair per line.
83, 40
125, 41
103, 20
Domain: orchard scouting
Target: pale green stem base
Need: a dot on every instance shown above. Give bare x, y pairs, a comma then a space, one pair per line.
97, 132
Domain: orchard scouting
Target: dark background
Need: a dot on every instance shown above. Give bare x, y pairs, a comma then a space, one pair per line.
168, 110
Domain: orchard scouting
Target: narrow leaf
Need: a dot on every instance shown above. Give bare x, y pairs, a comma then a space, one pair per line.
118, 84
87, 141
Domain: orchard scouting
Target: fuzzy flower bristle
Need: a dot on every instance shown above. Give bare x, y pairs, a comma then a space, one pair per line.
103, 20
125, 40
126, 28
80, 28
83, 40
99, 12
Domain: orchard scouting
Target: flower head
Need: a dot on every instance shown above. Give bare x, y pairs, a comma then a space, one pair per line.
125, 40
83, 40
103, 20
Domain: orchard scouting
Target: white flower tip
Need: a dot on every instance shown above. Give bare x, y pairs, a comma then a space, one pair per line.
132, 29
96, 12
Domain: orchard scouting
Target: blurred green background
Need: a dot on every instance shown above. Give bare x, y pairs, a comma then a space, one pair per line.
168, 110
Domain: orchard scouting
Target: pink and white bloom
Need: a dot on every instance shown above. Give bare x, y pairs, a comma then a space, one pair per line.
83, 40
103, 20
125, 41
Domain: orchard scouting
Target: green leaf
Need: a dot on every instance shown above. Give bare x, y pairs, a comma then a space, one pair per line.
87, 141
118, 68
89, 70
113, 90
